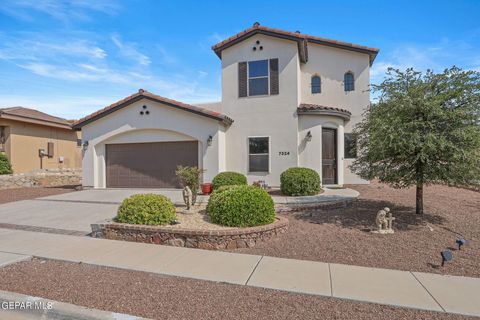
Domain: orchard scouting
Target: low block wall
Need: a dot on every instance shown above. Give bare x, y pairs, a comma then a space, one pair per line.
191, 238
43, 178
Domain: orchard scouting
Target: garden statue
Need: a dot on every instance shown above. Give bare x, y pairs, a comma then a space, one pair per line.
384, 221
187, 197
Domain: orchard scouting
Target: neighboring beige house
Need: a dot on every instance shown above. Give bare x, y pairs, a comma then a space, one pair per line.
288, 99
35, 140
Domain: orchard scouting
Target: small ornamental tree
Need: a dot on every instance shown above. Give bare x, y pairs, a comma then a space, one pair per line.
190, 176
424, 129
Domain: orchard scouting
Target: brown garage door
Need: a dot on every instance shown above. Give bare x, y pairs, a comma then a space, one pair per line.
148, 165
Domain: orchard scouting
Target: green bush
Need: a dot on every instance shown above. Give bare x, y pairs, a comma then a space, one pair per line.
150, 209
241, 206
223, 188
5, 167
228, 179
190, 176
300, 182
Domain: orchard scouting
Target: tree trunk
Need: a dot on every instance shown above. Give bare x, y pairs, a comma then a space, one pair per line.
419, 199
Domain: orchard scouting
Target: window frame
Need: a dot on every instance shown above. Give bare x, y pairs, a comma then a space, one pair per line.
319, 84
262, 77
345, 82
352, 137
268, 154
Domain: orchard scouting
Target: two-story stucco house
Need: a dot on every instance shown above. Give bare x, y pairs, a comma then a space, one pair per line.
288, 100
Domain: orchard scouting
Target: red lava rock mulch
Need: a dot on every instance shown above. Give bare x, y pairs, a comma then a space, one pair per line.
162, 297
10, 195
342, 235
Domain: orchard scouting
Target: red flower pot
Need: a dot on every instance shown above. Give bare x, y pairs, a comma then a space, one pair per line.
206, 188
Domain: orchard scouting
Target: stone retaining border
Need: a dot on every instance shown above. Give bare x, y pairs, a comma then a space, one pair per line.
42, 178
191, 238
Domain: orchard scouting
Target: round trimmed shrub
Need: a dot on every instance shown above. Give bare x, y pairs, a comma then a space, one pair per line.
150, 209
223, 188
300, 182
228, 178
241, 206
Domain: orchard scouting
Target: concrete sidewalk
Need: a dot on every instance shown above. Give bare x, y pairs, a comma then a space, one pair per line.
392, 287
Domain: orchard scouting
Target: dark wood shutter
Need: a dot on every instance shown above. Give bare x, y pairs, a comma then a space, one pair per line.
50, 149
242, 79
274, 85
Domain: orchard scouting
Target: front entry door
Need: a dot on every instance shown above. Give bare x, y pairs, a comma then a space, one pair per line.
329, 156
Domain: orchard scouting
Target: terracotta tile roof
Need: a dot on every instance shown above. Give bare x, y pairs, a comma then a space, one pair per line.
316, 108
141, 94
295, 36
32, 115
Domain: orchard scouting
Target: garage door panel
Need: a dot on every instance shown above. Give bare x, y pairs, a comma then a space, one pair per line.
148, 165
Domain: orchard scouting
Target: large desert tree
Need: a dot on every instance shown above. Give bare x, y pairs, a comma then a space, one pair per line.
424, 129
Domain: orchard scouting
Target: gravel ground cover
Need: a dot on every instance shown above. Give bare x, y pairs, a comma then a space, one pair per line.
10, 195
342, 235
162, 297
195, 219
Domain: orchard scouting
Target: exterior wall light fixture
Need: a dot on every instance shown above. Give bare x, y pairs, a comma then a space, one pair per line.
209, 140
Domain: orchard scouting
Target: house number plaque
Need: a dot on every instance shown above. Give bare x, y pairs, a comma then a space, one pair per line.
284, 153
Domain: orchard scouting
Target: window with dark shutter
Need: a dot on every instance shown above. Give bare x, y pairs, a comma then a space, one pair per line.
242, 79
274, 84
50, 149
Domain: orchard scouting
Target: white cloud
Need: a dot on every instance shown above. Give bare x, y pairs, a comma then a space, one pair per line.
40, 48
128, 50
65, 106
437, 56
63, 10
216, 37
79, 72
202, 74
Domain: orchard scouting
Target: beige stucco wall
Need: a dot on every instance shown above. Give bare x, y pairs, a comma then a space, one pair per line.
25, 139
331, 64
272, 116
310, 152
268, 116
164, 123
275, 116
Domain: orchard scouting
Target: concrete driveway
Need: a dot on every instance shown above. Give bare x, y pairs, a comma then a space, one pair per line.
73, 211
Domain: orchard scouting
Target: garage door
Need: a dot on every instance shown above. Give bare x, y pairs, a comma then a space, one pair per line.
148, 165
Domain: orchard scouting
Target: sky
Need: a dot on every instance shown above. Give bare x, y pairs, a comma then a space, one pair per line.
72, 57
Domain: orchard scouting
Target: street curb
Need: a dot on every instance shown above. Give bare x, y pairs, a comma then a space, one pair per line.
58, 310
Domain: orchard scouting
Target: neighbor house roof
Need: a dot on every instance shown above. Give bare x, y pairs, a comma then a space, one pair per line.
308, 108
33, 116
300, 38
143, 94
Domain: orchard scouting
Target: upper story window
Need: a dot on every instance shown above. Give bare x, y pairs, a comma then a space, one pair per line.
349, 81
316, 84
258, 78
